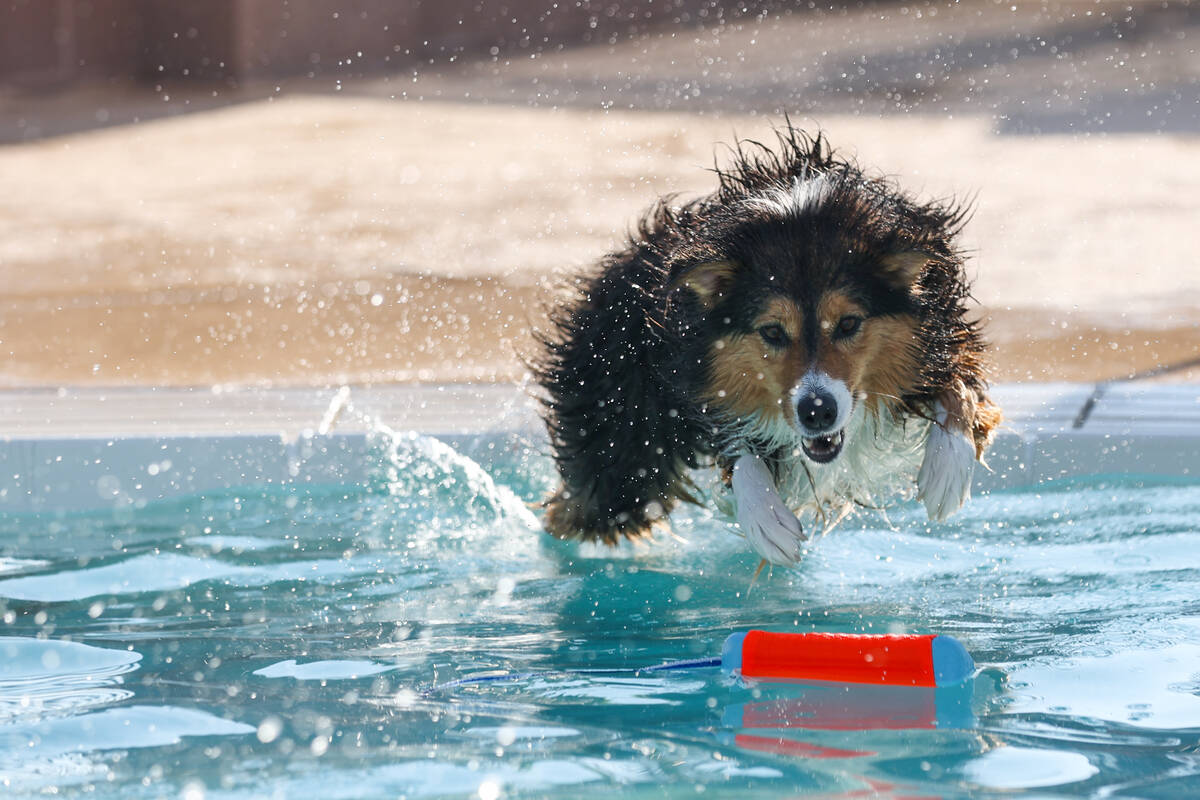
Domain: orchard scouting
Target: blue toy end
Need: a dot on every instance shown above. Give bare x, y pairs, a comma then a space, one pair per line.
952, 664
731, 652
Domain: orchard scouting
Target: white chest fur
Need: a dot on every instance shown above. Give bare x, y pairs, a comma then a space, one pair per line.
879, 463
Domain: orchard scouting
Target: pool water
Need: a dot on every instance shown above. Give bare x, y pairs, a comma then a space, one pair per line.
279, 642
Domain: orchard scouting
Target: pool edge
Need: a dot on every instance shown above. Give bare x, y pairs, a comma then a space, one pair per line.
89, 449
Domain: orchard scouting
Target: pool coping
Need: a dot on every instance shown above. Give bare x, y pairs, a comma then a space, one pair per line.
80, 449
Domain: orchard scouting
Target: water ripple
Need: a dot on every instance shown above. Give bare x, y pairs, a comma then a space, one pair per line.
47, 677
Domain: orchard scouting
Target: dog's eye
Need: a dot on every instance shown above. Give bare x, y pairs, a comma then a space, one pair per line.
847, 327
774, 335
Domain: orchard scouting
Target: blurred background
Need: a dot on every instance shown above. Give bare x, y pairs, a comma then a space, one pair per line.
264, 192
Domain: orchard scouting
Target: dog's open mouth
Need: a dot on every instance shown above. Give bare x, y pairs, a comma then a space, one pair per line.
824, 449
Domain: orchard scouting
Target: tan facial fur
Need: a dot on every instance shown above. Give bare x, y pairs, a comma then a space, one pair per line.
750, 377
880, 361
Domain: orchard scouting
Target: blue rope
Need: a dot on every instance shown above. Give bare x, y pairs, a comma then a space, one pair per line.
696, 663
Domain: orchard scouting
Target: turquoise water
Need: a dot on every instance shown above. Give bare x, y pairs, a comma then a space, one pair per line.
271, 642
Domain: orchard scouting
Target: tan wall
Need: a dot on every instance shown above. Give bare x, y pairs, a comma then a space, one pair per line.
51, 41
281, 38
193, 38
58, 41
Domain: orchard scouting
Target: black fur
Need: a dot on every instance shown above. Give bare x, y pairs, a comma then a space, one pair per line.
625, 363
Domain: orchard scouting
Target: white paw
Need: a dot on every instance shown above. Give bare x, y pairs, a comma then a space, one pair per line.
769, 526
944, 482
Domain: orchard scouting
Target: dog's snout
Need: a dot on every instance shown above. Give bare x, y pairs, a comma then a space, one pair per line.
817, 411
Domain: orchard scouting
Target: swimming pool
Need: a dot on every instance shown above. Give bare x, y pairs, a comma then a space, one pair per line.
277, 640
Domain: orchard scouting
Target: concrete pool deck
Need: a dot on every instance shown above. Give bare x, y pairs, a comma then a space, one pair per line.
70, 450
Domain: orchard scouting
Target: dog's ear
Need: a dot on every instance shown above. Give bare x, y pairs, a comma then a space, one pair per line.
904, 268
709, 280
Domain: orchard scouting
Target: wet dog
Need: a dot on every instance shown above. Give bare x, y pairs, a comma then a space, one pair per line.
804, 326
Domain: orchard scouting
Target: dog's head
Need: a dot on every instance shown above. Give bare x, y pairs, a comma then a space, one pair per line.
808, 296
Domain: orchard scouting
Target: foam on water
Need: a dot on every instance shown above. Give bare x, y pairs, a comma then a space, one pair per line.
323, 670
275, 641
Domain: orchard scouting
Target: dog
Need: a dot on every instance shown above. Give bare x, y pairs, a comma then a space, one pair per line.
804, 327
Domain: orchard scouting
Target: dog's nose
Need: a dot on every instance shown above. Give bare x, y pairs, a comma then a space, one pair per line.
817, 411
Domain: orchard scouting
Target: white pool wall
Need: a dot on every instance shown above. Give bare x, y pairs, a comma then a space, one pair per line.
71, 450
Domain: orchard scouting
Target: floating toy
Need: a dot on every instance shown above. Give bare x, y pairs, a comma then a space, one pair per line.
899, 660
889, 660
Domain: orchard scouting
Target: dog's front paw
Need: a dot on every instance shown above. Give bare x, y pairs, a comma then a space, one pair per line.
944, 482
769, 526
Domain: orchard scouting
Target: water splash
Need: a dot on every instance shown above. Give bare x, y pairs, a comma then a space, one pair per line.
431, 481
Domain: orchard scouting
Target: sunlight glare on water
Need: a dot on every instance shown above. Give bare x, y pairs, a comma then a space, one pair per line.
281, 641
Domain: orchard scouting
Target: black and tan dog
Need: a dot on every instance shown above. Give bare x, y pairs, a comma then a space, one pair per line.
804, 325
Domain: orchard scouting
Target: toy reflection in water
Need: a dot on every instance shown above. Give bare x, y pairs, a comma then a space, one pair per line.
766, 726
855, 707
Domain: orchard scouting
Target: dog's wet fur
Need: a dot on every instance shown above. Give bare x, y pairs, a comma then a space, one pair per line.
800, 305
